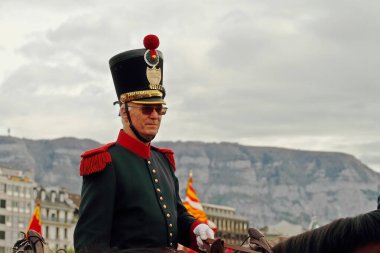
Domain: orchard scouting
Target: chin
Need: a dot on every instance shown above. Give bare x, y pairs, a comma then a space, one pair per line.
149, 137
152, 131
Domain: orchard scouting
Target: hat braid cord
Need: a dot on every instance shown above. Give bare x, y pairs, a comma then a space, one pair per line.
134, 130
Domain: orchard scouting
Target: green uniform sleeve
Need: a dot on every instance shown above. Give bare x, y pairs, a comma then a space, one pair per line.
93, 229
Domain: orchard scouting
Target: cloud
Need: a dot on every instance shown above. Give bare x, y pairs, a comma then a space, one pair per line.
289, 73
39, 79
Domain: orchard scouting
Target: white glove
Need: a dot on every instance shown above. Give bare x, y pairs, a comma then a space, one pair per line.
203, 232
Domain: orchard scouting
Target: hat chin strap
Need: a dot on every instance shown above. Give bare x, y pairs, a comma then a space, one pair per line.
134, 130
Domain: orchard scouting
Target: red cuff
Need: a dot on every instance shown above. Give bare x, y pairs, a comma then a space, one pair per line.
193, 239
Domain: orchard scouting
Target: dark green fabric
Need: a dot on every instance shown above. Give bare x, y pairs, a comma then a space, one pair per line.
121, 206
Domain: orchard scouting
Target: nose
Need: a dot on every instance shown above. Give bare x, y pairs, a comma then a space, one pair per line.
154, 113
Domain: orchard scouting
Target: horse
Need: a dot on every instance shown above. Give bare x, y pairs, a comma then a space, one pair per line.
31, 242
359, 234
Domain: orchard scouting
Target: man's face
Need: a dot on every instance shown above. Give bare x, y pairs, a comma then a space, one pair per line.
146, 118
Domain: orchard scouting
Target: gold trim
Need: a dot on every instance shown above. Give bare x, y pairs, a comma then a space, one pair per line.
143, 102
156, 87
134, 95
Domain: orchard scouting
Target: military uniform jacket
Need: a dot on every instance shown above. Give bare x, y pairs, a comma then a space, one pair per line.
130, 199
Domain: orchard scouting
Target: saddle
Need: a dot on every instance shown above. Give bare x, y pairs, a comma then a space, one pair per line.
257, 244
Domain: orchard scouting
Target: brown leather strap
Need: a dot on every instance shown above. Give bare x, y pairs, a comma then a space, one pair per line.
213, 246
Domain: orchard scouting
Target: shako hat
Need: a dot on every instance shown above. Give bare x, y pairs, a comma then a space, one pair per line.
137, 74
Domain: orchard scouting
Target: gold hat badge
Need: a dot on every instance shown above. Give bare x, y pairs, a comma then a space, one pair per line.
151, 57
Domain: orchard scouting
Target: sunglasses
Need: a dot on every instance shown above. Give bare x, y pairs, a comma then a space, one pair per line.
148, 109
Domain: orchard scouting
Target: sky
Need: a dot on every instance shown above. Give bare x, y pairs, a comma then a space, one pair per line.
294, 74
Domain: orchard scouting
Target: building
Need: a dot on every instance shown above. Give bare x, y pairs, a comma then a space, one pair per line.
284, 228
281, 231
16, 205
58, 216
233, 229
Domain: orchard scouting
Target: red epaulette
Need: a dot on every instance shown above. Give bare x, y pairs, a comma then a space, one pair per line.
95, 160
169, 155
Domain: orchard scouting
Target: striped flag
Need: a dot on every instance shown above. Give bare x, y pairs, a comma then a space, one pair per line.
194, 206
35, 221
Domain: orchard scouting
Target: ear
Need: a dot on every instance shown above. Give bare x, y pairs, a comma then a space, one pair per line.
123, 113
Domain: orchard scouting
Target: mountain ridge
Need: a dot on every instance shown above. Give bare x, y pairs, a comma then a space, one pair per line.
265, 184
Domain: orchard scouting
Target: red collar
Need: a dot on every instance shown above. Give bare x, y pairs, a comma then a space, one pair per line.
133, 145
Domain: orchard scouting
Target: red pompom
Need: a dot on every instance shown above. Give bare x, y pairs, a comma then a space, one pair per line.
151, 42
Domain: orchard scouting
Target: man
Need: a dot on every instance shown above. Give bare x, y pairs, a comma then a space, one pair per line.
130, 193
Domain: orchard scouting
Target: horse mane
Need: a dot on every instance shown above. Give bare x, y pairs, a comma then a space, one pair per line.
341, 235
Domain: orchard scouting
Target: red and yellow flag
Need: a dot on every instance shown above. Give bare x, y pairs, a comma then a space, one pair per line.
35, 221
194, 206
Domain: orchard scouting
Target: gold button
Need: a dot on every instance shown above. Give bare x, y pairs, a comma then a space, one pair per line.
168, 215
171, 234
161, 198
154, 171
171, 244
156, 180
170, 225
149, 162
158, 189
164, 206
